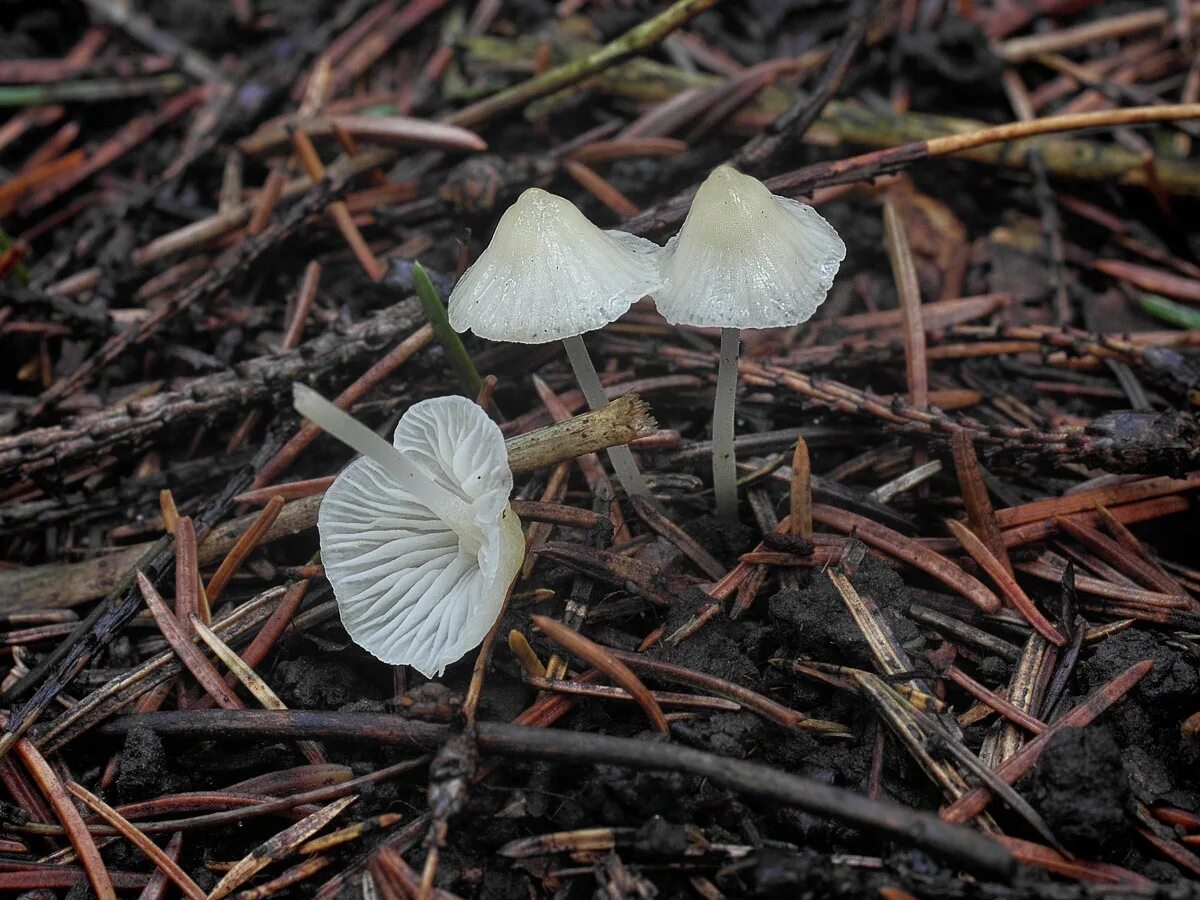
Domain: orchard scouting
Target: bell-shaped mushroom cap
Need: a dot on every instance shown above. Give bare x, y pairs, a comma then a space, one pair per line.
550, 274
746, 258
416, 584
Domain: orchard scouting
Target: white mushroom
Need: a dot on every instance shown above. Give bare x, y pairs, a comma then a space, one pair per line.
550, 274
418, 538
744, 258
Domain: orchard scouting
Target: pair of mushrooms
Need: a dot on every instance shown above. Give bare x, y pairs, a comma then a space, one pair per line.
744, 258
418, 538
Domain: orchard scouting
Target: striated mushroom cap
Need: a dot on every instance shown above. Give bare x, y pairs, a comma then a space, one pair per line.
420, 580
550, 274
746, 258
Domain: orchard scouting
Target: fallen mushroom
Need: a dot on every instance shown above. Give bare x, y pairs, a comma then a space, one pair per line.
550, 274
744, 258
418, 538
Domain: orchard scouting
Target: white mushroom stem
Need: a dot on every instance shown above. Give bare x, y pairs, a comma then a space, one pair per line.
621, 456
414, 479
724, 464
589, 382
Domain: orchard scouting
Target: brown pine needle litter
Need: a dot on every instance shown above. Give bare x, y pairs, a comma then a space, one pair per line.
950, 609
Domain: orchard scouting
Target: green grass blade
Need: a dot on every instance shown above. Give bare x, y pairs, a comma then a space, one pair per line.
20, 270
435, 312
98, 90
1170, 311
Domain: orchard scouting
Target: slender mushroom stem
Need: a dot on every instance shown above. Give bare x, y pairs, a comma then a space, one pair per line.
724, 464
589, 382
347, 429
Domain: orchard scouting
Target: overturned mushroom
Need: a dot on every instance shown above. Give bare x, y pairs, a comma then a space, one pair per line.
418, 538
549, 274
744, 258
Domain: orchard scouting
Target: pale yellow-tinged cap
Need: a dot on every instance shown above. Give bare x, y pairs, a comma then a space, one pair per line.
550, 274
747, 258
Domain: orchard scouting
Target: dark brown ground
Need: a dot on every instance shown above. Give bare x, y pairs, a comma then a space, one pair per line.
975, 228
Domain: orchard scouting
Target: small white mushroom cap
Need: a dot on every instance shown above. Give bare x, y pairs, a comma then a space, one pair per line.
550, 274
747, 258
420, 570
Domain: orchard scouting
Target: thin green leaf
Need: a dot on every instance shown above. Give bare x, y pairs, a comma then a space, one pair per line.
435, 312
20, 270
95, 90
1170, 311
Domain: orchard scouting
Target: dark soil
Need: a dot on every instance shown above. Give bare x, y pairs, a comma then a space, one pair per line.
143, 766
1080, 788
1071, 379
815, 623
